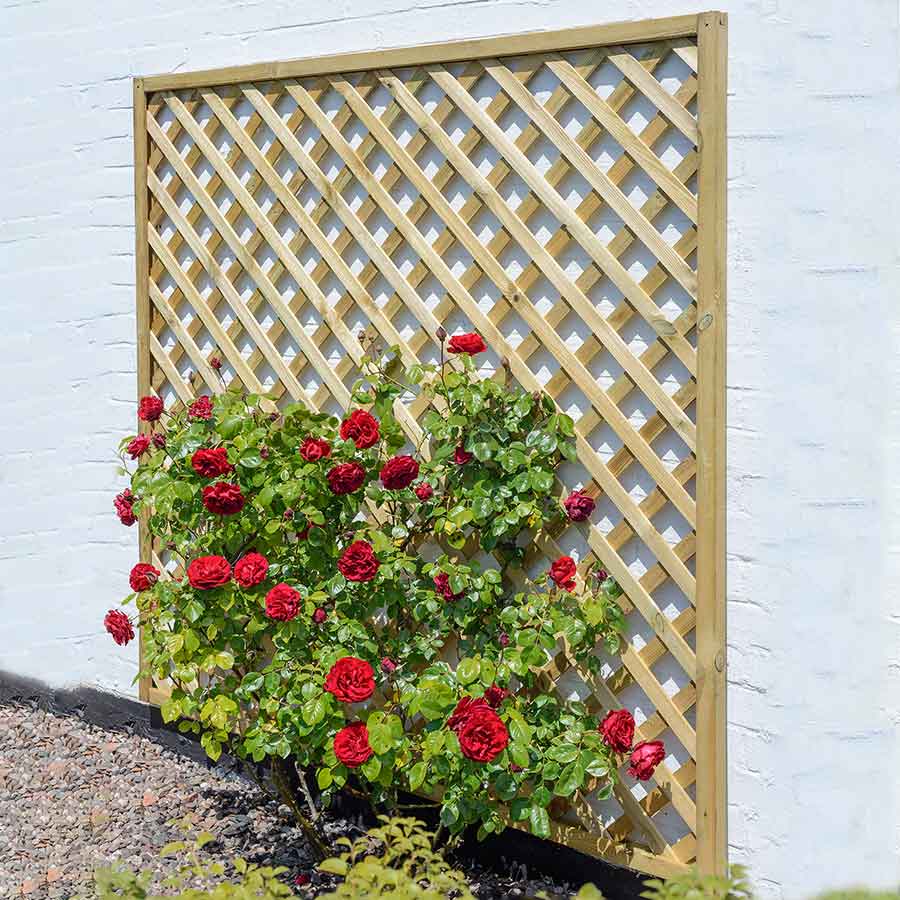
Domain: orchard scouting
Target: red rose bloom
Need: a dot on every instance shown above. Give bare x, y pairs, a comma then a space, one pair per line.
482, 736
282, 603
150, 409
351, 745
208, 572
495, 695
424, 491
399, 472
143, 576
563, 572
315, 448
358, 562
579, 506
210, 462
442, 586
251, 569
138, 446
351, 680
617, 729
123, 504
201, 408
466, 343
362, 428
465, 708
223, 498
119, 626
346, 478
462, 456
645, 758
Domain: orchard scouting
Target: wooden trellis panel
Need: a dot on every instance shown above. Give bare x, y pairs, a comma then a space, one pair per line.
563, 194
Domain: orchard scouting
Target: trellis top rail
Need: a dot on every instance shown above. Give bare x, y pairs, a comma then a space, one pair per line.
637, 32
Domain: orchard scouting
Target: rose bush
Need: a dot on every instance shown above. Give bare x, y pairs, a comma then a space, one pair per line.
327, 564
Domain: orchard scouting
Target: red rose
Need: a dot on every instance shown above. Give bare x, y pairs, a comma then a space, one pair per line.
315, 448
138, 446
282, 603
223, 498
351, 680
150, 409
159, 440
123, 504
319, 616
362, 428
465, 707
503, 639
346, 478
462, 456
617, 729
399, 472
424, 491
442, 586
251, 569
388, 666
201, 408
466, 343
495, 695
645, 758
579, 506
210, 462
143, 576
563, 572
351, 745
119, 626
482, 736
208, 572
358, 562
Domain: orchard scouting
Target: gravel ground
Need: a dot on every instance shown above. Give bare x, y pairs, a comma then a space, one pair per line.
74, 796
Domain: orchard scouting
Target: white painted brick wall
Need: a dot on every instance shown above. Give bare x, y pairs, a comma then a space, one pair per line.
814, 415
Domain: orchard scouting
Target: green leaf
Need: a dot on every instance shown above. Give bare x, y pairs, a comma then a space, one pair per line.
314, 709
324, 778
467, 670
541, 480
380, 738
483, 451
540, 821
417, 776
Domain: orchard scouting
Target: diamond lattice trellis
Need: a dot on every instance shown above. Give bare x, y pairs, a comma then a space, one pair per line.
555, 201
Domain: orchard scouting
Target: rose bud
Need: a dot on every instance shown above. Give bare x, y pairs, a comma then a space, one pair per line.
361, 336
159, 440
215, 363
536, 396
424, 491
301, 880
319, 616
515, 768
288, 514
503, 640
601, 574
264, 452
273, 416
441, 334
388, 666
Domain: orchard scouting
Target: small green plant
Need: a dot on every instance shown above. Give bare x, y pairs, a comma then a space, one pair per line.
692, 886
396, 860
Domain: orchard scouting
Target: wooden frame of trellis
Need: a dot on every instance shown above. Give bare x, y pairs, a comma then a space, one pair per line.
695, 187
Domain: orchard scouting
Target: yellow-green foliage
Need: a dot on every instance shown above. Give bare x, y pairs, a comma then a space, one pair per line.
397, 860
701, 887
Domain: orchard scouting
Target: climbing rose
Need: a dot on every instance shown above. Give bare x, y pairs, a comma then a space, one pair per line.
465, 708
346, 478
645, 758
399, 472
358, 562
251, 569
223, 498
482, 736
424, 491
442, 586
362, 428
315, 448
319, 616
351, 745
388, 666
119, 626
215, 362
201, 408
123, 504
150, 409
143, 576
579, 506
563, 572
495, 695
617, 729
461, 456
138, 446
209, 462
351, 680
282, 602
207, 572
466, 343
